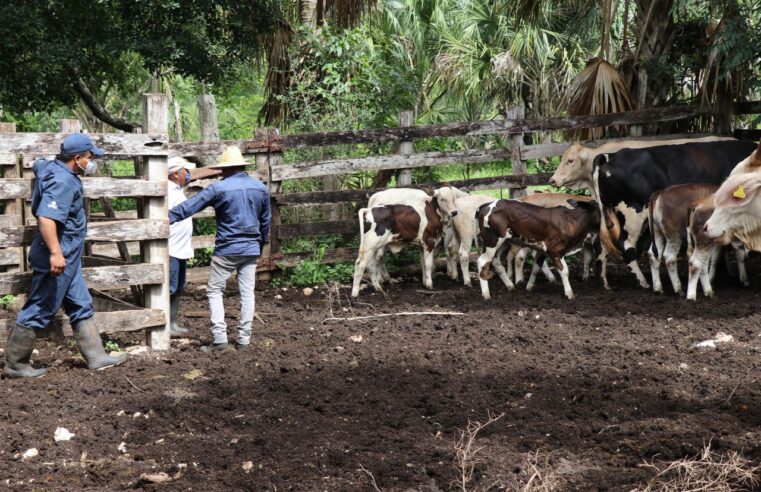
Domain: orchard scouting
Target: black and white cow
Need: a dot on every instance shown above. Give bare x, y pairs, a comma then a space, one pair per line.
624, 182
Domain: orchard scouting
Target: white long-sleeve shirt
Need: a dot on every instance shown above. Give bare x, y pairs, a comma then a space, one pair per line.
180, 233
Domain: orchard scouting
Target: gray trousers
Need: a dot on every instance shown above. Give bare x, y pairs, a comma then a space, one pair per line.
222, 267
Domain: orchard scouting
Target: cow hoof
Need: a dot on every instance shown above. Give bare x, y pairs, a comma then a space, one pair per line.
571, 296
691, 298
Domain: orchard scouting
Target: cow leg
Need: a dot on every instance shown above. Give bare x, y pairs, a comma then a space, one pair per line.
520, 261
589, 256
366, 253
741, 253
427, 264
670, 256
539, 261
656, 252
699, 261
633, 226
710, 257
451, 245
562, 268
483, 266
547, 271
511, 263
464, 252
500, 269
377, 267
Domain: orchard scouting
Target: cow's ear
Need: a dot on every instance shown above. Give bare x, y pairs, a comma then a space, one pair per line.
584, 155
738, 190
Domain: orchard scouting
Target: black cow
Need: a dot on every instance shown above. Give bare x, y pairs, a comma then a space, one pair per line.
625, 180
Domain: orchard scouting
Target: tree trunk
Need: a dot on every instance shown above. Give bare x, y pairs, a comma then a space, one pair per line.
207, 114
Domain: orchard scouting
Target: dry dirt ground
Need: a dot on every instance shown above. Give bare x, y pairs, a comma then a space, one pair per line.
590, 389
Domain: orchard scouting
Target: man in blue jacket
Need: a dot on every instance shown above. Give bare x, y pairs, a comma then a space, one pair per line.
56, 260
242, 209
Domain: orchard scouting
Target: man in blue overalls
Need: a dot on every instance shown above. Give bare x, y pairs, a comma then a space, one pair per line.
242, 210
55, 258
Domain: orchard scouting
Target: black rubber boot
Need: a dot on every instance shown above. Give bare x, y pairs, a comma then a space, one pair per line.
91, 346
175, 330
19, 351
215, 347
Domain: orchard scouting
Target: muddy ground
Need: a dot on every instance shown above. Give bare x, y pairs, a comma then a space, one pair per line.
591, 389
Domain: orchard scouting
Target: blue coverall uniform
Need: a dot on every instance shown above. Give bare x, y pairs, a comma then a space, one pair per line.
57, 195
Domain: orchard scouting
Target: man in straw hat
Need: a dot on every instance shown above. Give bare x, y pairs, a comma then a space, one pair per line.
242, 209
180, 240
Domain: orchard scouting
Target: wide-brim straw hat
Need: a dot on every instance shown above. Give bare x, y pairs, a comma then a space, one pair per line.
231, 157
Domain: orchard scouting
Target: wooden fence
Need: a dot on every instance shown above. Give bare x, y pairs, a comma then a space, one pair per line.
144, 232
150, 229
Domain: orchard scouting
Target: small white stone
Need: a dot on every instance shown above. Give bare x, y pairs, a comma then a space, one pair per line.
122, 448
136, 415
537, 317
248, 466
30, 453
278, 296
528, 396
62, 434
35, 352
356, 338
137, 350
308, 291
121, 413
521, 314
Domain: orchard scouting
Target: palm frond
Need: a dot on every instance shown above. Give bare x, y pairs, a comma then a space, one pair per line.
598, 89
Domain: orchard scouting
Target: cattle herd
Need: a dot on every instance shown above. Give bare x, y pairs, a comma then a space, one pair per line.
700, 192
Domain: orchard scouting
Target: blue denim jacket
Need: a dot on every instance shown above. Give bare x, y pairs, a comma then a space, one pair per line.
242, 208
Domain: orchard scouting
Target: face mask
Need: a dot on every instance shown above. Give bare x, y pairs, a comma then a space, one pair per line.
187, 177
91, 167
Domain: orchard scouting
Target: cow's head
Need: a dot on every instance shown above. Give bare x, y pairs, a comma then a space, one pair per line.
737, 213
446, 196
574, 169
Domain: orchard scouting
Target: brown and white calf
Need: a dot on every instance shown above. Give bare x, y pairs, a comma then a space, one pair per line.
554, 232
391, 226
706, 252
668, 219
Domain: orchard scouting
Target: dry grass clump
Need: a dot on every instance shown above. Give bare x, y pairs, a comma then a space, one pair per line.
543, 477
717, 472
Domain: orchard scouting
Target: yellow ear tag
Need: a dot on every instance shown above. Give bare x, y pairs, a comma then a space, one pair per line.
739, 192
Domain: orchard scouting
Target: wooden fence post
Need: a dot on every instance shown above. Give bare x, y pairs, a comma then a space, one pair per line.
404, 176
274, 157
262, 166
13, 208
207, 116
156, 121
516, 145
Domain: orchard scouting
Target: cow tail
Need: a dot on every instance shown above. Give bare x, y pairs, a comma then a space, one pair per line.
607, 233
651, 222
361, 216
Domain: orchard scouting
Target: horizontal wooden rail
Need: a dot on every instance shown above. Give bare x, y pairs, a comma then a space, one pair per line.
121, 230
494, 182
9, 221
384, 162
102, 278
9, 257
331, 256
93, 188
115, 144
285, 231
106, 321
472, 128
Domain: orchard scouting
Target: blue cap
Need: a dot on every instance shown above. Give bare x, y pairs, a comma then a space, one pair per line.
79, 143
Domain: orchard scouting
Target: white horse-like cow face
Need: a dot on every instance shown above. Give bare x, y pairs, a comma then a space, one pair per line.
573, 171
737, 213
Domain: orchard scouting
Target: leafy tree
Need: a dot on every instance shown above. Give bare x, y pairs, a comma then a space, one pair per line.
56, 52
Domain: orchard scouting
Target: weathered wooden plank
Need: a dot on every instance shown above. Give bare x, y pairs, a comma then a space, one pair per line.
246, 146
377, 163
8, 221
9, 256
8, 159
115, 144
470, 128
102, 278
93, 187
156, 120
106, 321
285, 231
330, 256
316, 197
200, 242
119, 230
